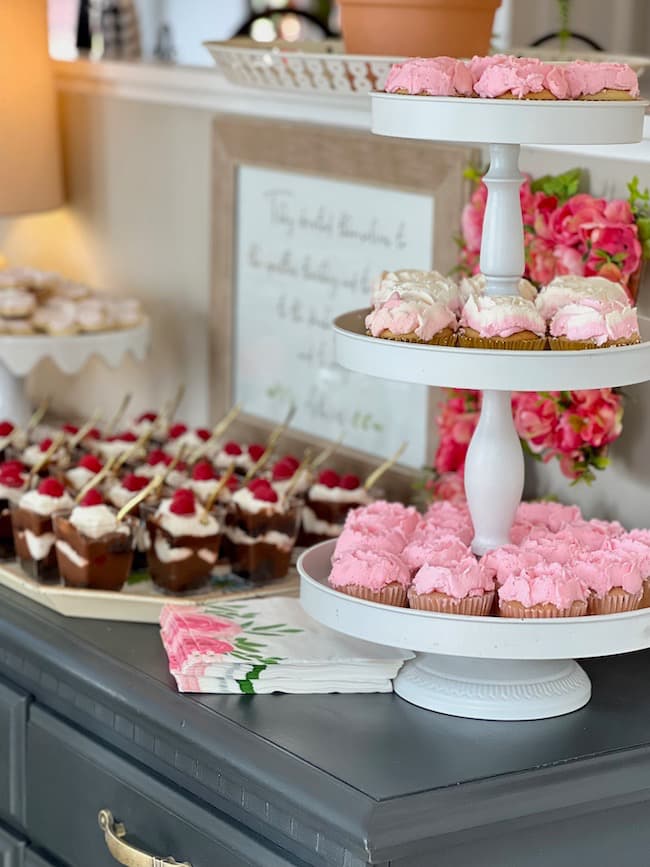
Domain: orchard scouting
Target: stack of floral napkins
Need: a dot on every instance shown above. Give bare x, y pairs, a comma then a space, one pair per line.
269, 645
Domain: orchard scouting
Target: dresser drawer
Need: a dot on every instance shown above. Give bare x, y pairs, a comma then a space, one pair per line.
71, 777
13, 722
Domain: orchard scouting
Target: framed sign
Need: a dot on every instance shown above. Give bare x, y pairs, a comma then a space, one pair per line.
305, 218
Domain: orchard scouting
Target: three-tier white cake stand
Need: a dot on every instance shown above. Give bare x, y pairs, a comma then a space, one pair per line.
489, 667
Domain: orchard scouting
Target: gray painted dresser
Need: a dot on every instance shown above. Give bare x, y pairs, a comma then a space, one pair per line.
90, 720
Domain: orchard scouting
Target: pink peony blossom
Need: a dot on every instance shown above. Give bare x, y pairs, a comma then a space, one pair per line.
471, 223
449, 486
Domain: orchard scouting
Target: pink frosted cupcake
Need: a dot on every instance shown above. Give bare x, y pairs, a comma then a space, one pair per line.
447, 518
376, 576
573, 289
462, 587
549, 514
501, 322
521, 78
544, 590
588, 80
430, 76
639, 541
377, 537
614, 578
433, 549
593, 324
509, 560
414, 285
590, 535
413, 321
382, 513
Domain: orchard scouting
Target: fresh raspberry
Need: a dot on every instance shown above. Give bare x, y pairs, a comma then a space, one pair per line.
177, 430
51, 488
6, 428
183, 502
92, 498
203, 434
350, 482
329, 478
282, 471
181, 466
134, 483
147, 416
11, 479
292, 460
257, 483
70, 428
255, 451
203, 472
12, 466
232, 448
90, 462
45, 444
158, 456
232, 484
265, 493
94, 434
126, 436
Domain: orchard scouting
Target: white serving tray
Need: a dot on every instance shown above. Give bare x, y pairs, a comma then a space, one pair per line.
136, 603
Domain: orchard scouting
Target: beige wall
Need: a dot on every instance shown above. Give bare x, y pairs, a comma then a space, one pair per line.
138, 221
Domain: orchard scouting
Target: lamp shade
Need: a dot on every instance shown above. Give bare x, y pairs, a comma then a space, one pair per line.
30, 158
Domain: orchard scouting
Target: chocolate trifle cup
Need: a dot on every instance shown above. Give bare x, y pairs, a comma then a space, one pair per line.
327, 503
102, 563
183, 545
12, 486
33, 530
261, 534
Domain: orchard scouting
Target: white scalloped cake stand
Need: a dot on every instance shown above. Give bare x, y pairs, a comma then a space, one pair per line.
535, 676
481, 667
18, 355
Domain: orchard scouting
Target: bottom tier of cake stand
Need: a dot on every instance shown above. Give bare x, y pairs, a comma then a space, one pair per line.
479, 667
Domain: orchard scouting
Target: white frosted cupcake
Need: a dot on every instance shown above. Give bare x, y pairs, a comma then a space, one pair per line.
501, 322
594, 324
413, 321
573, 289
417, 286
476, 286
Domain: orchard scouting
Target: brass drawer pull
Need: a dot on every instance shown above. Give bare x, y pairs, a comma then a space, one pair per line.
123, 852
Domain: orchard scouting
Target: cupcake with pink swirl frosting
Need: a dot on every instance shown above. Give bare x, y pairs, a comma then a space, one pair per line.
501, 322
639, 541
521, 78
543, 590
614, 579
434, 549
458, 587
430, 76
588, 80
376, 576
594, 324
444, 517
413, 320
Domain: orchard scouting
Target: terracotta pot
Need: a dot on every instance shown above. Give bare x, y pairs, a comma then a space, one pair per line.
418, 28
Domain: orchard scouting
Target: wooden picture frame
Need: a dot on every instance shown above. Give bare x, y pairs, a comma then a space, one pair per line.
338, 154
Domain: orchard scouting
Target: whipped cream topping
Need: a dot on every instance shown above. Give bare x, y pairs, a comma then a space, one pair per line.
313, 524
279, 540
359, 495
573, 289
247, 502
77, 477
39, 546
595, 323
185, 525
476, 286
96, 521
422, 286
434, 76
167, 553
501, 316
405, 316
44, 505
188, 441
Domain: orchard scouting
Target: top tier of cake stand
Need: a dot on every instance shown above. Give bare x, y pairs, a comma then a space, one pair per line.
508, 121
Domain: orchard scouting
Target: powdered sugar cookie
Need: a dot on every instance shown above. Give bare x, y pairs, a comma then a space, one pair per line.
16, 303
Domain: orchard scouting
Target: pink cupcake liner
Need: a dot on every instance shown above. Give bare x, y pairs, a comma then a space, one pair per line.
615, 601
392, 594
510, 608
474, 606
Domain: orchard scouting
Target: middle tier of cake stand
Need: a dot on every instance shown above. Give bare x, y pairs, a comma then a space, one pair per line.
479, 667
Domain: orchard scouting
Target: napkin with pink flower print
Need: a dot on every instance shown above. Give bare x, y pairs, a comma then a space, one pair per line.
270, 645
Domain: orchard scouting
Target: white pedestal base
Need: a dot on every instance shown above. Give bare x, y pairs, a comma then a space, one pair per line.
495, 689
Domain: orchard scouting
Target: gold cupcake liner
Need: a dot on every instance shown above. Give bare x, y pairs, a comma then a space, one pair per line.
645, 594
475, 606
392, 594
444, 337
471, 339
511, 608
615, 601
540, 94
563, 344
608, 94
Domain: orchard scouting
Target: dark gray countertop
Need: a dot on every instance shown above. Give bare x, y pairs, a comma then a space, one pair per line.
371, 773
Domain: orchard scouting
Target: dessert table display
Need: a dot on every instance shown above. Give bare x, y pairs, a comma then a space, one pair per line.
485, 667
